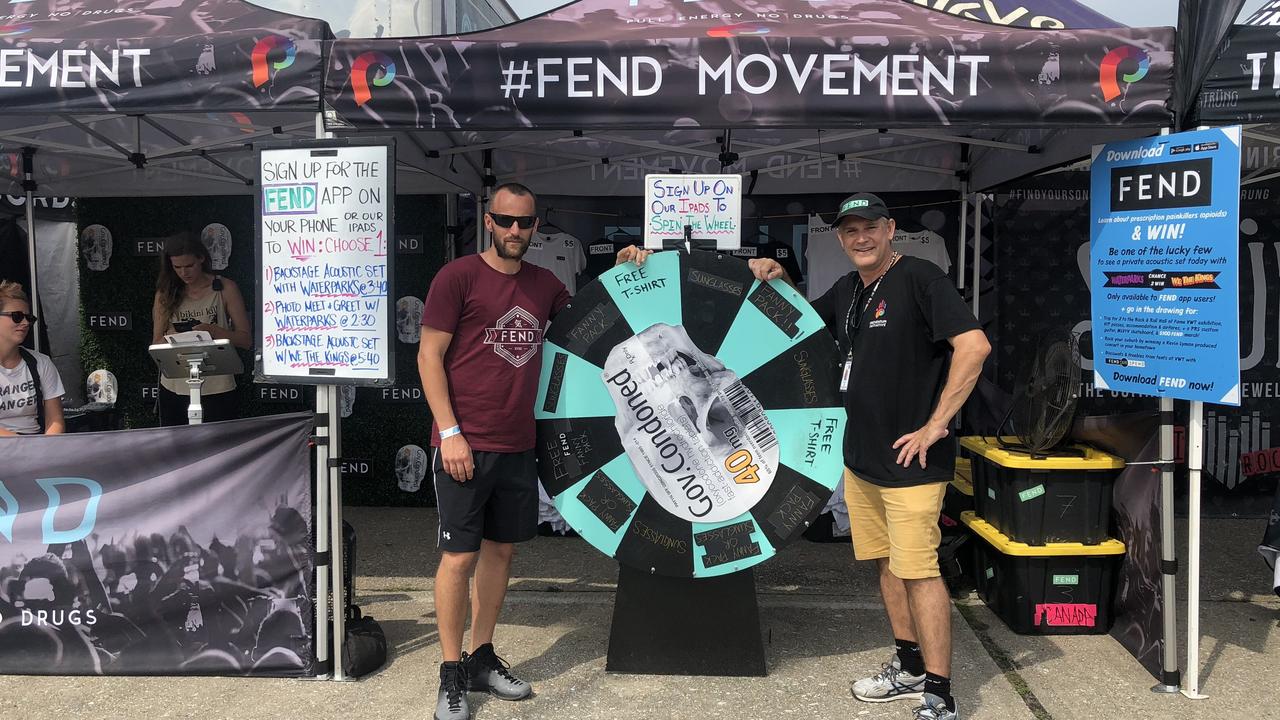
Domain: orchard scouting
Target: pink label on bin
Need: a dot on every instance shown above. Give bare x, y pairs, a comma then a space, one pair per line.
1067, 614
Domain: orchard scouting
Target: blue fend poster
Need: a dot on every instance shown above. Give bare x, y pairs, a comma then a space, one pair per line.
1164, 261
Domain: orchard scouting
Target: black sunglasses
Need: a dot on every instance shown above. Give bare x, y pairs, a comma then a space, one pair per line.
524, 221
17, 316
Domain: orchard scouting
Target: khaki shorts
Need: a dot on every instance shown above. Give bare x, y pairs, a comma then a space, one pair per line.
898, 523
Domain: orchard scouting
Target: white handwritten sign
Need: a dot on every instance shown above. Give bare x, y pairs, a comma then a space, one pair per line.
710, 205
324, 270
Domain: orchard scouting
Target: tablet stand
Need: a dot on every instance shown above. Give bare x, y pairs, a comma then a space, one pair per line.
195, 361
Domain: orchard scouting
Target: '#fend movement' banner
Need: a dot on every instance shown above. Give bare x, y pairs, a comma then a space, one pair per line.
179, 550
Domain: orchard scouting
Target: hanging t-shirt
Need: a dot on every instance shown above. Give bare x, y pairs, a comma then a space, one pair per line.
900, 361
774, 250
18, 394
559, 252
493, 361
926, 245
603, 254
825, 258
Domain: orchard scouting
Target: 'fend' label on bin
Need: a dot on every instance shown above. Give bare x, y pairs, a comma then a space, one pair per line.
1066, 579
991, 493
991, 573
1031, 493
1066, 614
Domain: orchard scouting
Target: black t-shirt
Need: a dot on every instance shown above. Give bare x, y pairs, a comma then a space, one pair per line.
784, 254
602, 255
900, 362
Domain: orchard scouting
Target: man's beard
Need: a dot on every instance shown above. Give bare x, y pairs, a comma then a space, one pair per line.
500, 246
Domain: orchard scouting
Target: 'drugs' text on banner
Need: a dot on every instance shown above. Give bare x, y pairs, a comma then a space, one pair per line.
181, 550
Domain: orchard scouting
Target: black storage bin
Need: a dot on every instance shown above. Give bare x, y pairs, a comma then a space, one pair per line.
1036, 501
1055, 589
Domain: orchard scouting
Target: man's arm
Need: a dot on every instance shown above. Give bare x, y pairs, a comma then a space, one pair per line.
455, 452
55, 422
969, 351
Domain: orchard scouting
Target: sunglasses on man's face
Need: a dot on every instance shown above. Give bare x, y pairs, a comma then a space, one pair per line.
524, 221
17, 316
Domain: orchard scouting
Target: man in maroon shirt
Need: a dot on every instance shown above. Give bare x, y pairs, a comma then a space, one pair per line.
479, 360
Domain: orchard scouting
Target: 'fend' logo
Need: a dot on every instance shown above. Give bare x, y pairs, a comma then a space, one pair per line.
1109, 76
261, 69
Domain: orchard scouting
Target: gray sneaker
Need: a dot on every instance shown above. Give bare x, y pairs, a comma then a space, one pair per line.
890, 684
489, 673
934, 708
451, 703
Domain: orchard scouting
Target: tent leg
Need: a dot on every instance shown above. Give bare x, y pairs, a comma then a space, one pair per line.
977, 250
320, 525
334, 475
1195, 453
29, 184
964, 233
1169, 679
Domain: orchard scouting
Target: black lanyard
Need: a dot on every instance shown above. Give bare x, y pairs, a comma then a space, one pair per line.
851, 328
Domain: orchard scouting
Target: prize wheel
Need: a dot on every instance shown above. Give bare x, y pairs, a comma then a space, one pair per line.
689, 420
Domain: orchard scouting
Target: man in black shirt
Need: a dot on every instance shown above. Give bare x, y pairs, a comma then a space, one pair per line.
913, 353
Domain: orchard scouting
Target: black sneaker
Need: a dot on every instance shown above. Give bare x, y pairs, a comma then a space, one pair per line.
488, 672
451, 703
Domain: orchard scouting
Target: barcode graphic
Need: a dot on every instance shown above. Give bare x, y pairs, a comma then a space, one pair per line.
748, 409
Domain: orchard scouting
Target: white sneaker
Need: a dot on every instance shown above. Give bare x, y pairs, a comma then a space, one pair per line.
890, 684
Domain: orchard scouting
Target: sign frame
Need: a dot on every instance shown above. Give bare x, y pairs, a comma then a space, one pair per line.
656, 239
387, 331
1164, 266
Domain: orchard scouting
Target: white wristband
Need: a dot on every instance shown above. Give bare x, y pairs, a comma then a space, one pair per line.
450, 432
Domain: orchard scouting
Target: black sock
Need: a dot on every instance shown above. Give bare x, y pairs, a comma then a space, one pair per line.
909, 656
940, 686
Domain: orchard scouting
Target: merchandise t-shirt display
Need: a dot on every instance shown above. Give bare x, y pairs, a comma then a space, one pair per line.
602, 254
783, 253
828, 262
497, 321
900, 361
926, 245
559, 252
18, 394
824, 257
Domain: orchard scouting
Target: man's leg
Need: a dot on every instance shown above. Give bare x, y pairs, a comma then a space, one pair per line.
493, 569
452, 578
912, 516
510, 516
931, 613
896, 604
898, 679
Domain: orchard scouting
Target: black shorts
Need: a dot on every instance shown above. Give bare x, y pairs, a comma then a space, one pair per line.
498, 503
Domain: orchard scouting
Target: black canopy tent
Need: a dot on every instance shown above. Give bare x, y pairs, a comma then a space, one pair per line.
739, 84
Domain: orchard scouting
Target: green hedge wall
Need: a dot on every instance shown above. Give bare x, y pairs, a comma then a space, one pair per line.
376, 428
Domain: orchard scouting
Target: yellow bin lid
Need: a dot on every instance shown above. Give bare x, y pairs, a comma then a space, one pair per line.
988, 448
1001, 542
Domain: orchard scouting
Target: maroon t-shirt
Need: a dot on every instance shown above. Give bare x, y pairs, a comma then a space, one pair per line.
494, 359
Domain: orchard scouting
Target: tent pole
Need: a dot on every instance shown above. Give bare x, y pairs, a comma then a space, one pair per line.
964, 233
330, 476
29, 184
325, 577
1195, 456
977, 249
1169, 679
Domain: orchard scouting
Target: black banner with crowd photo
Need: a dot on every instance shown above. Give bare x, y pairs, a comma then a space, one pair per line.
182, 550
385, 430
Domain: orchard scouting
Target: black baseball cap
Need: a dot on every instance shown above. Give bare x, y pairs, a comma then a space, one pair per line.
863, 205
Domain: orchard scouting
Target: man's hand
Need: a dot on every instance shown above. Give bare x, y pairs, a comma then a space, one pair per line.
455, 455
918, 443
766, 269
632, 254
